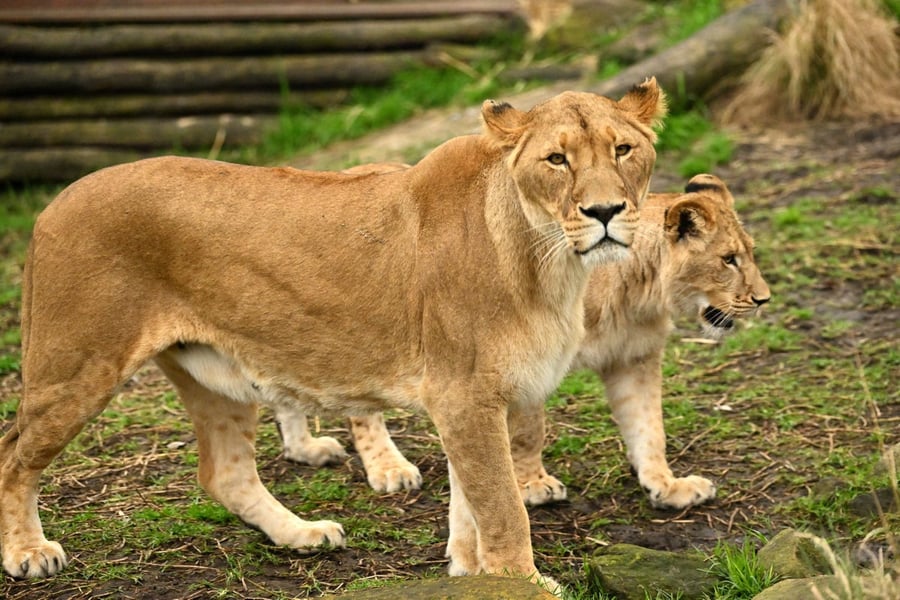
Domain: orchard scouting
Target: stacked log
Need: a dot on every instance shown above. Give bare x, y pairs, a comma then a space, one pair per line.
89, 83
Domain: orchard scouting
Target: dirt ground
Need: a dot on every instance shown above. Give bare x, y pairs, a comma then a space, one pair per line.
769, 169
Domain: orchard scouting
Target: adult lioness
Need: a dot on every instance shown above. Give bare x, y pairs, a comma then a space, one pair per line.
691, 255
431, 287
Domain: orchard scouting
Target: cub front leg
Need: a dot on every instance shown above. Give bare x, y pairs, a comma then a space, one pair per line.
527, 431
226, 435
634, 392
299, 445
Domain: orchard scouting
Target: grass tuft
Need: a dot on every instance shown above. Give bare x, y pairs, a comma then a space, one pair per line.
839, 58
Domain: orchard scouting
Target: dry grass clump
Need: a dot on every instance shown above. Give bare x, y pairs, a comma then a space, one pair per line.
837, 59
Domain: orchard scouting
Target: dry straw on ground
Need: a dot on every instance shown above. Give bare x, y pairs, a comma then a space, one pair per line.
836, 59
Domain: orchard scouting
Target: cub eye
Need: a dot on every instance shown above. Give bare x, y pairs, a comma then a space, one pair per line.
623, 149
731, 259
557, 159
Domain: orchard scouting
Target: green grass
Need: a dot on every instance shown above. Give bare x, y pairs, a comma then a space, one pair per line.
740, 575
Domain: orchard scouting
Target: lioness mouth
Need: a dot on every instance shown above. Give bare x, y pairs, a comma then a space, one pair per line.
604, 241
717, 318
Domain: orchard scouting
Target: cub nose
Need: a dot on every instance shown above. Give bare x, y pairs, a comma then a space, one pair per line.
602, 212
760, 301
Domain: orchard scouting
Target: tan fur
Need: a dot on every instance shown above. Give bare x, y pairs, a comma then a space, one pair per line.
456, 286
629, 307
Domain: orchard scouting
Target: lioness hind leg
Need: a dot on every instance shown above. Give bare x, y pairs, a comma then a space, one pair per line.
226, 435
47, 419
386, 468
299, 445
526, 428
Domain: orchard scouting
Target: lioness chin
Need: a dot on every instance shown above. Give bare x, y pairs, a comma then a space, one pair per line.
455, 285
691, 257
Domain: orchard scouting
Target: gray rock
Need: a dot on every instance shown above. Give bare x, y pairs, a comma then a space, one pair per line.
792, 554
797, 589
868, 505
864, 587
889, 460
634, 573
480, 587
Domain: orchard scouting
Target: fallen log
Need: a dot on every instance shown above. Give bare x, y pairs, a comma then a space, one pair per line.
221, 39
207, 74
58, 164
190, 133
712, 58
36, 11
146, 105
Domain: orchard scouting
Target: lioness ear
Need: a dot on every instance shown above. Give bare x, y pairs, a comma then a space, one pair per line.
647, 102
711, 184
688, 219
502, 122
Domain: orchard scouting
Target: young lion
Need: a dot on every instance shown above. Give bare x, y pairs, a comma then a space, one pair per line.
690, 256
428, 287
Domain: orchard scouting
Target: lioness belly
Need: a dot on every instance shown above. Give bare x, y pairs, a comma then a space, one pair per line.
227, 376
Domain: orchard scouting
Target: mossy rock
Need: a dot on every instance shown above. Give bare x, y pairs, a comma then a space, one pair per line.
633, 573
792, 554
480, 587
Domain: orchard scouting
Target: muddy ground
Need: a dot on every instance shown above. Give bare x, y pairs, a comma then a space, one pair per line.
769, 169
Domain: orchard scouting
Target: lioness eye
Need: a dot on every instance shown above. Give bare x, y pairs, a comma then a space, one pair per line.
557, 159
731, 259
623, 149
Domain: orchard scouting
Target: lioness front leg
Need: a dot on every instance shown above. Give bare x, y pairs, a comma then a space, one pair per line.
634, 393
299, 445
526, 429
386, 468
476, 441
226, 433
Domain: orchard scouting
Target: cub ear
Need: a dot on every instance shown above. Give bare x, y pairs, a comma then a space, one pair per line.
689, 218
712, 186
502, 122
647, 102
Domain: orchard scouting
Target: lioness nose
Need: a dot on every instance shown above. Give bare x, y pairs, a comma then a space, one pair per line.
602, 212
759, 301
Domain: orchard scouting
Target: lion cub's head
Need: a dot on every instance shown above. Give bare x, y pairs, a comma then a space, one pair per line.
582, 165
711, 257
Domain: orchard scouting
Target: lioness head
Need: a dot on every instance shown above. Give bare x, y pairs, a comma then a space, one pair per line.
716, 274
582, 165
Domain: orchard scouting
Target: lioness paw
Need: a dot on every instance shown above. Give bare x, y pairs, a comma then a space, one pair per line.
542, 490
395, 477
549, 584
682, 492
312, 536
316, 451
42, 561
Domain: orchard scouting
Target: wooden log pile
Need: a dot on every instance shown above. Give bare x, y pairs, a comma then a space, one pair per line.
88, 83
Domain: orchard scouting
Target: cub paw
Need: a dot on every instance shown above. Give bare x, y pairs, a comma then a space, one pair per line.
395, 477
45, 560
313, 536
682, 492
542, 490
316, 452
